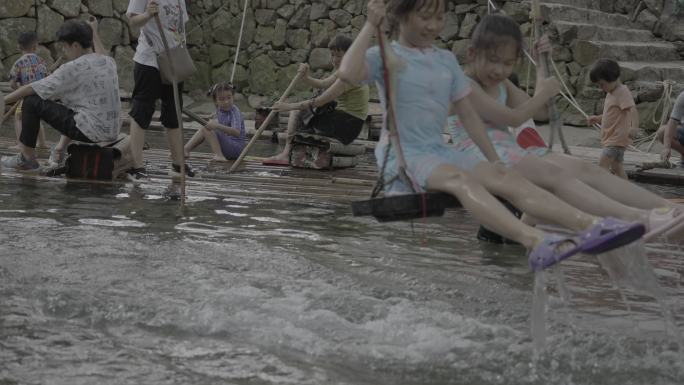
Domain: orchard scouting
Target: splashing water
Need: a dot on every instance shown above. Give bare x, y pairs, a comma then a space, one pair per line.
539, 308
629, 268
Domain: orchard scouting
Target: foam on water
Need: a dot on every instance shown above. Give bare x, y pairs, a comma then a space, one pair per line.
312, 297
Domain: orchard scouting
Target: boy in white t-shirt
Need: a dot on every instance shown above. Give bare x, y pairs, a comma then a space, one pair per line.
87, 87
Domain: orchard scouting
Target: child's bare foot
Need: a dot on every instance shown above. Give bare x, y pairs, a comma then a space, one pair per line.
217, 158
283, 156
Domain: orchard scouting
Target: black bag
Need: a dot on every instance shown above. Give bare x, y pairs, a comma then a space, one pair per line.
306, 115
91, 161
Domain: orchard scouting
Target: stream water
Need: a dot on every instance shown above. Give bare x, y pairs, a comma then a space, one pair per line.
110, 284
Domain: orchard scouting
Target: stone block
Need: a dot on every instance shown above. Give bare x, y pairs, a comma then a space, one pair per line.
219, 53
279, 34
451, 27
67, 8
468, 25
15, 8
320, 58
49, 22
585, 52
100, 7
341, 17
264, 34
119, 5
111, 31
286, 11
297, 38
300, 19
318, 11
123, 55
262, 75
201, 80
265, 16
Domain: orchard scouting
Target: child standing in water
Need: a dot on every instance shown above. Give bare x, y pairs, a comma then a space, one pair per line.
496, 46
620, 119
226, 134
430, 81
27, 69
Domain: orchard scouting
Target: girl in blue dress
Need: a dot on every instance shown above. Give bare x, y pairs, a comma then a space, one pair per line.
496, 46
429, 82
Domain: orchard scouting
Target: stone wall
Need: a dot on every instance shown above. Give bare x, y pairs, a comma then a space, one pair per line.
280, 34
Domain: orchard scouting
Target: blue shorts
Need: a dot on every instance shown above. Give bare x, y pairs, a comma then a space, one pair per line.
422, 165
614, 152
680, 134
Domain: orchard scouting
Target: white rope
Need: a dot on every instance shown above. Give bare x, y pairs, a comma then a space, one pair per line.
666, 102
237, 52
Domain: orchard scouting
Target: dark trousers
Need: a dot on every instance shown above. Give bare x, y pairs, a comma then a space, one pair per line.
34, 109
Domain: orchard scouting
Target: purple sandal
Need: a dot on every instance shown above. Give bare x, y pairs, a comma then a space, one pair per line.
608, 234
546, 253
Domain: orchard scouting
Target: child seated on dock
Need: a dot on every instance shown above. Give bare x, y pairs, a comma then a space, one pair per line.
27, 69
496, 46
226, 133
431, 81
671, 135
87, 86
620, 119
339, 112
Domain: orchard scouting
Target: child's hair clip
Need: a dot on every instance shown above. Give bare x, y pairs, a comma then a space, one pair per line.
220, 86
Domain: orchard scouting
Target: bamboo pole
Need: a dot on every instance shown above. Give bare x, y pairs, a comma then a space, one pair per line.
263, 126
179, 113
555, 124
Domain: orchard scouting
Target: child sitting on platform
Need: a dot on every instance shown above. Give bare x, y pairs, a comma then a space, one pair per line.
226, 133
27, 69
620, 119
87, 87
339, 112
496, 46
430, 80
671, 135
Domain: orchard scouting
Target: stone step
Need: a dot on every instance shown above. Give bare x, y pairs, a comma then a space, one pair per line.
561, 12
586, 52
653, 71
586, 4
569, 31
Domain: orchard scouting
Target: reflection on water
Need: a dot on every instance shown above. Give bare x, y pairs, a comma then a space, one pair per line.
111, 284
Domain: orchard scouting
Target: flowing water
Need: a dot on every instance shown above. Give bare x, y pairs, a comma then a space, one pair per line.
111, 284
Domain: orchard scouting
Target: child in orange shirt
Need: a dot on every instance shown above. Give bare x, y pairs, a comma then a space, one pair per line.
620, 119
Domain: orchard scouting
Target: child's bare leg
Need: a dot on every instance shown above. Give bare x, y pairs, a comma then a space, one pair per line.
604, 162
678, 147
41, 143
211, 138
619, 169
195, 141
175, 139
292, 122
17, 131
137, 143
614, 187
485, 208
568, 188
529, 198
63, 143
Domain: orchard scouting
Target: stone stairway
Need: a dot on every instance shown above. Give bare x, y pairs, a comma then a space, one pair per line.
591, 33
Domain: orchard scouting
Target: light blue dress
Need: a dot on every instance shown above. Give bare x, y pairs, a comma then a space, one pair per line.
427, 84
503, 141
